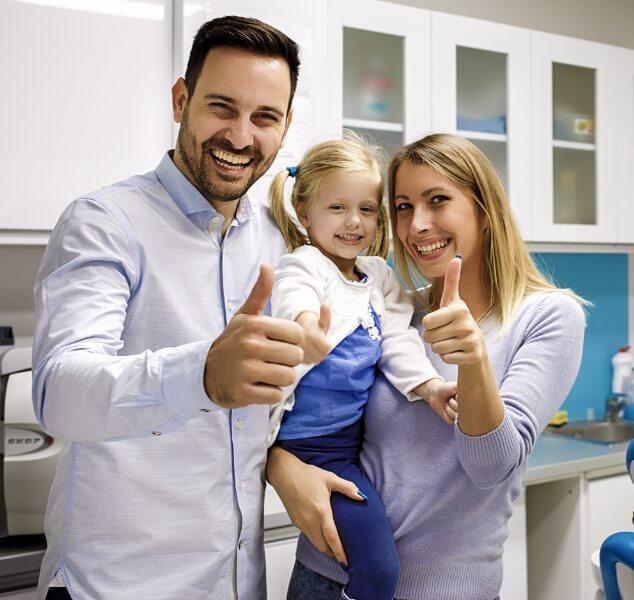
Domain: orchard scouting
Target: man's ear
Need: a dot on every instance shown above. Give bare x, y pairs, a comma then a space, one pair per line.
180, 96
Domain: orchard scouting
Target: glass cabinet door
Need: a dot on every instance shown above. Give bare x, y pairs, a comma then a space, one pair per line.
480, 88
574, 137
625, 144
378, 71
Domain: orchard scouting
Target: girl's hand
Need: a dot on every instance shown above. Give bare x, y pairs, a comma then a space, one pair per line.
305, 492
316, 345
441, 396
451, 330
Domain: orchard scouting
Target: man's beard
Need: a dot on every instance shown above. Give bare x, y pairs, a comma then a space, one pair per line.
194, 158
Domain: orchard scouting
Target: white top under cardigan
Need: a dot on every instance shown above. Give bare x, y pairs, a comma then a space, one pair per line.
306, 279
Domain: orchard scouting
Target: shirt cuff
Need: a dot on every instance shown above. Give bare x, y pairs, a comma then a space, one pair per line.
490, 449
182, 378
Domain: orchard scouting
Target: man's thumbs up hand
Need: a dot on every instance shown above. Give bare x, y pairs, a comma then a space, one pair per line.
254, 356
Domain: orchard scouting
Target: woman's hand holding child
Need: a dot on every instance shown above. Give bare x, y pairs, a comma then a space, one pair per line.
316, 345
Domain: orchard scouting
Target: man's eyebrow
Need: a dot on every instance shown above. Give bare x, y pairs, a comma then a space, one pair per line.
230, 100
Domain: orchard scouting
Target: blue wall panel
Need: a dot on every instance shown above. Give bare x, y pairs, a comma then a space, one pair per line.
602, 279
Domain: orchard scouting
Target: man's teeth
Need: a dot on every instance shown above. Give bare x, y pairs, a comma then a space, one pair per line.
431, 247
350, 238
231, 160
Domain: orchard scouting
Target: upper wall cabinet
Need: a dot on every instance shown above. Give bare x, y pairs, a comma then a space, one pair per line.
379, 69
305, 22
481, 90
574, 140
625, 143
86, 102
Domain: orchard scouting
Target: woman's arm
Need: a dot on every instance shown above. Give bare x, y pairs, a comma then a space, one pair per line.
305, 492
456, 337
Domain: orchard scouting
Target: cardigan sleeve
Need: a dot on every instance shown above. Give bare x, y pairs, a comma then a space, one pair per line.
403, 359
537, 380
298, 285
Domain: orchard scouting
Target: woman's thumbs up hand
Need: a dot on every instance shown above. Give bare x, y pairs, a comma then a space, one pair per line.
451, 330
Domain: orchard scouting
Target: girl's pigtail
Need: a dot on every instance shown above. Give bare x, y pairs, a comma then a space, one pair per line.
381, 245
292, 235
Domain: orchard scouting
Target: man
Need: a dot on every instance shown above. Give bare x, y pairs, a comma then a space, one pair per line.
159, 493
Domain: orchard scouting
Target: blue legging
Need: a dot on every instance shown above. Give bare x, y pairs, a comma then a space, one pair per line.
373, 563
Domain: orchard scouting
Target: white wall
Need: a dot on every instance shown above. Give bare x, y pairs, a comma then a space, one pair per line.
607, 21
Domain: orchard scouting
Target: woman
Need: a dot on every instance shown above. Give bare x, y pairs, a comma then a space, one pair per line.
514, 343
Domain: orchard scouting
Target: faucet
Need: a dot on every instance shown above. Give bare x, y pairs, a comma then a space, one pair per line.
613, 406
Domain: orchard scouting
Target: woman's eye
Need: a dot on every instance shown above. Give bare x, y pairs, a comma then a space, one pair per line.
403, 206
438, 199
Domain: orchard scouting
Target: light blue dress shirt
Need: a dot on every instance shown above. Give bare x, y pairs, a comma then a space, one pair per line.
159, 490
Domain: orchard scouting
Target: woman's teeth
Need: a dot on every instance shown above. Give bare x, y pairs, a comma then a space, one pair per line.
229, 160
431, 247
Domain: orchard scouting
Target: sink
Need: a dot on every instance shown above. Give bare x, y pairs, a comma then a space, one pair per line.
604, 432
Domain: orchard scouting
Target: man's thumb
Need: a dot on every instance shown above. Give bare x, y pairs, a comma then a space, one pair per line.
451, 286
261, 292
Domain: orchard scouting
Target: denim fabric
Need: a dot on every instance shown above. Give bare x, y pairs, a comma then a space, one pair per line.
373, 562
308, 585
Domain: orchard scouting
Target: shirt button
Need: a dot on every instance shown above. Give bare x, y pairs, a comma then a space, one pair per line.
239, 423
242, 544
156, 433
241, 485
229, 305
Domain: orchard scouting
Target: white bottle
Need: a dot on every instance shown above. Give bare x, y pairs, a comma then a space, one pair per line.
622, 369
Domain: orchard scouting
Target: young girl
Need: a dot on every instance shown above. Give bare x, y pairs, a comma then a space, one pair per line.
355, 317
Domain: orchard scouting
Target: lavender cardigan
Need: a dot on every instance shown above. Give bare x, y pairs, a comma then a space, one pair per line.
448, 495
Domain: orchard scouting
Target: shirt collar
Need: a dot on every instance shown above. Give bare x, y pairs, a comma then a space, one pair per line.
188, 198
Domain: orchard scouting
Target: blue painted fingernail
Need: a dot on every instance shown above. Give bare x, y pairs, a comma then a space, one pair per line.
344, 566
362, 494
458, 256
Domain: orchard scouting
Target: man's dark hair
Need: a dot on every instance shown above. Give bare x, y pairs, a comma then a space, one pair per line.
250, 35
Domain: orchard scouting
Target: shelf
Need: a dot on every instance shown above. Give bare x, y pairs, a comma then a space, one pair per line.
481, 135
24, 237
574, 145
369, 124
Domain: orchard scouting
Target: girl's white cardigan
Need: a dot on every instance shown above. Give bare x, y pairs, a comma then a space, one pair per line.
306, 279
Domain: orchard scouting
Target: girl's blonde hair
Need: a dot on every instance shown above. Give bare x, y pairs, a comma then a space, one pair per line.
349, 156
509, 273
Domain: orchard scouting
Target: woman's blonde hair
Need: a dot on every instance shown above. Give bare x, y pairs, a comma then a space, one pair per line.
349, 156
509, 273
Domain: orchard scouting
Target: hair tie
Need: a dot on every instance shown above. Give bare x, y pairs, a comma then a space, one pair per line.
292, 171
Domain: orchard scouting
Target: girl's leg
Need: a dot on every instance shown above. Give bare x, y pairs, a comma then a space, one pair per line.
373, 563
308, 585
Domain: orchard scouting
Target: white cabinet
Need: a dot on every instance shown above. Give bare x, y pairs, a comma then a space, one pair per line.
480, 89
514, 558
280, 559
567, 521
86, 101
574, 140
625, 143
379, 71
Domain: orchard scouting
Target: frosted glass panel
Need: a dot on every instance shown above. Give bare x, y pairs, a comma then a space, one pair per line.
390, 141
496, 153
575, 186
574, 117
481, 89
372, 76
